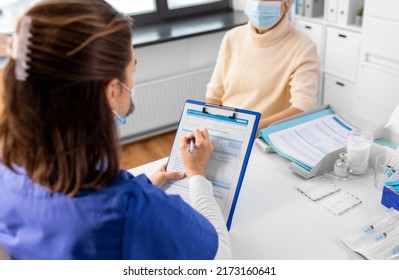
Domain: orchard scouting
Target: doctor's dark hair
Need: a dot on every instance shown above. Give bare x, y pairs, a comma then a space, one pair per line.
58, 124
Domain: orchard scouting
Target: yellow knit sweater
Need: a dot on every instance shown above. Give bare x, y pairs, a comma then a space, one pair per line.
266, 72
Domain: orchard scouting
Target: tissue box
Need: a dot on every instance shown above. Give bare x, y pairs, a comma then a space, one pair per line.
390, 198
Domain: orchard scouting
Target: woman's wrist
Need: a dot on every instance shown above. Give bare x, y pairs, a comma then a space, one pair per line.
191, 173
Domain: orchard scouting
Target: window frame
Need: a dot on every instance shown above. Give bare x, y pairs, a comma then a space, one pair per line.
163, 13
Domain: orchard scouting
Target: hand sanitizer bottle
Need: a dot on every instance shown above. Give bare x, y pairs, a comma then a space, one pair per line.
341, 167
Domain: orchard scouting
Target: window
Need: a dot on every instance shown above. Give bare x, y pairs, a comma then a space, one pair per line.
143, 11
177, 4
149, 11
134, 7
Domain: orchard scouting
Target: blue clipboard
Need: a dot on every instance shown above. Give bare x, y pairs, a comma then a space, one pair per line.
231, 152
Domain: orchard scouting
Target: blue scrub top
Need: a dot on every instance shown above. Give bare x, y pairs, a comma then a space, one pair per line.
130, 219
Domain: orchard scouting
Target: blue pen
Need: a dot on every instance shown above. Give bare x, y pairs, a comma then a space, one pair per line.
191, 145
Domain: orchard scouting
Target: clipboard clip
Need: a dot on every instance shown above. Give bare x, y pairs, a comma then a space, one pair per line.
219, 110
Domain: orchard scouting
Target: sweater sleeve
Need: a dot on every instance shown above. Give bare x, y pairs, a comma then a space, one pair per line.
215, 87
202, 199
304, 79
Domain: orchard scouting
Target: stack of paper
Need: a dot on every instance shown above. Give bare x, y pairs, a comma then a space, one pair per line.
307, 139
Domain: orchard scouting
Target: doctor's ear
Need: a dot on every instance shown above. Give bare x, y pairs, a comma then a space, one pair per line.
112, 92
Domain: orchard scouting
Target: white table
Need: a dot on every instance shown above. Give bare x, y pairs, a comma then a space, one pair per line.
273, 220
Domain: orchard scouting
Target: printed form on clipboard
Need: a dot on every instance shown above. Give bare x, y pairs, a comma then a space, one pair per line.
232, 132
307, 139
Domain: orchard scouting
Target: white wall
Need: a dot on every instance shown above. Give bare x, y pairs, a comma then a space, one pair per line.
177, 57
168, 59
239, 5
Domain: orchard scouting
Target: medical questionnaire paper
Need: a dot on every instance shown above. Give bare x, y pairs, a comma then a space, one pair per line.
230, 138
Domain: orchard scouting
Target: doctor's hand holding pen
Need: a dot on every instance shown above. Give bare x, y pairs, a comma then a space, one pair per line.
196, 150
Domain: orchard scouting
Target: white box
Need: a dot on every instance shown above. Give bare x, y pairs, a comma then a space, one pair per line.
314, 8
332, 11
347, 10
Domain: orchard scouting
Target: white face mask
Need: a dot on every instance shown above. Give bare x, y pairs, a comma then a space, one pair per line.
263, 14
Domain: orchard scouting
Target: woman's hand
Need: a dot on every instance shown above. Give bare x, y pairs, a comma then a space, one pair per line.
196, 162
161, 176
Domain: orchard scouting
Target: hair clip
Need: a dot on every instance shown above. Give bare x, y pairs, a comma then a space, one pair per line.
18, 48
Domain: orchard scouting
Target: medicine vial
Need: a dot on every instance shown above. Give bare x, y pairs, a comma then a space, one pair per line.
341, 167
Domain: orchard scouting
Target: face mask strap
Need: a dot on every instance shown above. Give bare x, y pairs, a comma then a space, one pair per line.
126, 87
132, 94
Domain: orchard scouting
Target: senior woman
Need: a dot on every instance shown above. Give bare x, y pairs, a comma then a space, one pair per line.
266, 65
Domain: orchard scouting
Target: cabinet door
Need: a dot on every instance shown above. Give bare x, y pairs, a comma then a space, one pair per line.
339, 93
332, 11
313, 30
342, 53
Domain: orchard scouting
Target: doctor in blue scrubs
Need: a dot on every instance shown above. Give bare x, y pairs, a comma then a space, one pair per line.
68, 84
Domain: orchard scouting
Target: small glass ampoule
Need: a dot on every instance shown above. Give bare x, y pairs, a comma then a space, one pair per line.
341, 167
